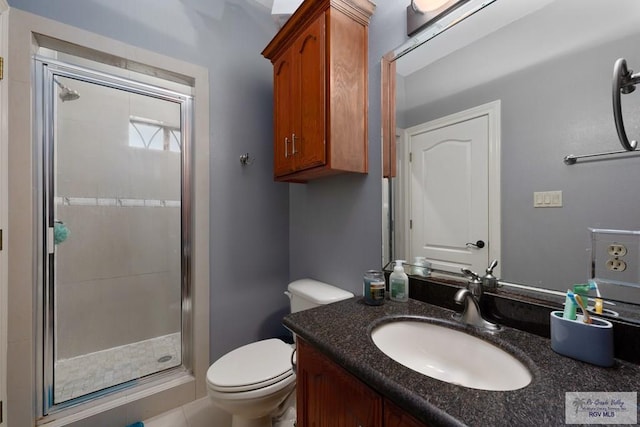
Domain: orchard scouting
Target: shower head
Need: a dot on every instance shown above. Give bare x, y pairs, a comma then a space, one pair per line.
66, 94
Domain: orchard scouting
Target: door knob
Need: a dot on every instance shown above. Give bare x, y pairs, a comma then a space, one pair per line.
478, 245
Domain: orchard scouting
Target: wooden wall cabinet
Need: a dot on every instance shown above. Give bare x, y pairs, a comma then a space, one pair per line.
320, 65
328, 396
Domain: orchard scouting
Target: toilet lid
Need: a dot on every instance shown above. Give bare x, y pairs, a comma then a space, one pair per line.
251, 366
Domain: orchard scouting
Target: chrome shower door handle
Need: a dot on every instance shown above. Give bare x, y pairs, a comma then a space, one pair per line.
623, 82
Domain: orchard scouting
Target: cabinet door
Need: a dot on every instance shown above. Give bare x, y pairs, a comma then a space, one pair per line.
396, 417
328, 396
309, 93
283, 74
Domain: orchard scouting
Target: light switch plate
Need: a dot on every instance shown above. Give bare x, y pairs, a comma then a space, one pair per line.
547, 199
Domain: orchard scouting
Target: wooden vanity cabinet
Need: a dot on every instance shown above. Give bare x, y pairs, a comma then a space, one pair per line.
329, 396
320, 66
396, 417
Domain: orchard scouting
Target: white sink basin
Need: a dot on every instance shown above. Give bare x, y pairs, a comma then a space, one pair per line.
450, 355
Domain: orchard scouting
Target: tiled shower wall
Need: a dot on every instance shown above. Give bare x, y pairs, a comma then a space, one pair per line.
118, 273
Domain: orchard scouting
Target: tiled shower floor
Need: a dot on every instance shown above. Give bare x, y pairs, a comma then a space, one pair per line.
91, 372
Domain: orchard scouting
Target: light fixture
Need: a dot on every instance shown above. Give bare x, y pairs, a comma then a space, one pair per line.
421, 13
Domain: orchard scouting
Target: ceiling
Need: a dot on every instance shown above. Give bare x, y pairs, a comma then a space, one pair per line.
280, 10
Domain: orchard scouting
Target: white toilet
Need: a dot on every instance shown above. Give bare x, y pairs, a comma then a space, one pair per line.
251, 382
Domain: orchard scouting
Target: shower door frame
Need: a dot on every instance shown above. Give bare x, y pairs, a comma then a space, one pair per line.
45, 70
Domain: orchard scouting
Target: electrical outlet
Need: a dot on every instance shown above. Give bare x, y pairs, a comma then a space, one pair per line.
616, 264
615, 257
617, 250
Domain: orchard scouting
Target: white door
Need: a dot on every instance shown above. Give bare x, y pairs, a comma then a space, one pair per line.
450, 195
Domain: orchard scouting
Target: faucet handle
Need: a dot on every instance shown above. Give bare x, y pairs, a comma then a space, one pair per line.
474, 284
489, 281
471, 275
493, 265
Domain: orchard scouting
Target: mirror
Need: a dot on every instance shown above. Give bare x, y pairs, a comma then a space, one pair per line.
550, 65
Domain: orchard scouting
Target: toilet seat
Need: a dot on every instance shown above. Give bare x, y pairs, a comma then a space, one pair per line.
251, 367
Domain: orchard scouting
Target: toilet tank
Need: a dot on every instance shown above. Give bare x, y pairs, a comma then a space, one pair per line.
309, 293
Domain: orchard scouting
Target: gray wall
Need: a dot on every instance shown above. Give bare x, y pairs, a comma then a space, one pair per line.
263, 234
336, 223
249, 212
559, 107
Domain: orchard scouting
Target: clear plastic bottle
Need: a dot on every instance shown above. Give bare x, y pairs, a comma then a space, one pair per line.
373, 288
399, 283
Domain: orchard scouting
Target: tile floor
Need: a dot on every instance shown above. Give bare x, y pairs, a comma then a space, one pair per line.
202, 413
95, 371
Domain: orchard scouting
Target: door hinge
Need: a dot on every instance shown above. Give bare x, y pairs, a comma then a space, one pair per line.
410, 157
410, 224
1, 239
1, 68
1, 413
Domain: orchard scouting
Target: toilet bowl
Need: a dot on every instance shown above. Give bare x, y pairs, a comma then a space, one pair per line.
253, 381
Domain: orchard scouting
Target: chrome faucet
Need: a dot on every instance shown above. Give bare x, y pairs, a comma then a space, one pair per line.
470, 297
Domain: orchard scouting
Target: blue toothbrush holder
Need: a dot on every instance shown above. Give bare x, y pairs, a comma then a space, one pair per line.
588, 342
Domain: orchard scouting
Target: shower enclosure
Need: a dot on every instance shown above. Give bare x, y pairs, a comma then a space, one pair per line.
114, 154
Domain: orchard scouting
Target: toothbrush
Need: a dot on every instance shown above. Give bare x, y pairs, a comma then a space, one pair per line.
598, 306
569, 307
598, 299
578, 300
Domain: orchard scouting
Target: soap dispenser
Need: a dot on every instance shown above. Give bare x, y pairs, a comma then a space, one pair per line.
399, 283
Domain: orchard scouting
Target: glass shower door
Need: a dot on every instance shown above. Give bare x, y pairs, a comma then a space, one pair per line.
114, 215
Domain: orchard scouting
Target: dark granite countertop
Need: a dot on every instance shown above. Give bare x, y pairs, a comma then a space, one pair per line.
341, 331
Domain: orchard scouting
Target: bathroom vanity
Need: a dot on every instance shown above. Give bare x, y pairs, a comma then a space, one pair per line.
329, 395
344, 379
